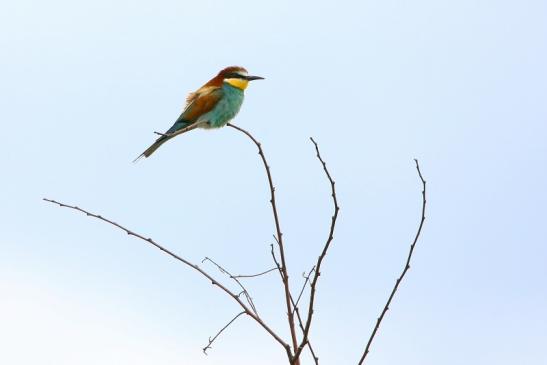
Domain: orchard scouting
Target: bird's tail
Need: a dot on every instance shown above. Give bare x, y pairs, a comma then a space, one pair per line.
150, 150
179, 124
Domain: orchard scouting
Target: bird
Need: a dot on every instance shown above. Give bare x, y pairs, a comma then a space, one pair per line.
211, 106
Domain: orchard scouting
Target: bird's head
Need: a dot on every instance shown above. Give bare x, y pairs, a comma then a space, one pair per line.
237, 77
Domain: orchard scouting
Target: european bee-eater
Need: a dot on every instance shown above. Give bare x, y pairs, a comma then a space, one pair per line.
212, 106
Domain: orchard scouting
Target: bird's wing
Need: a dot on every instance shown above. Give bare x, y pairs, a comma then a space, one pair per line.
200, 102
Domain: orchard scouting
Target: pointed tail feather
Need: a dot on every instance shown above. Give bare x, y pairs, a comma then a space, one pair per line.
150, 150
180, 126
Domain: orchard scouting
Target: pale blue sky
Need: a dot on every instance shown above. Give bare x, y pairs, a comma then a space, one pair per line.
461, 85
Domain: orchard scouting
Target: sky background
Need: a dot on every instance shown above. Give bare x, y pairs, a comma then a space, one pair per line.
460, 85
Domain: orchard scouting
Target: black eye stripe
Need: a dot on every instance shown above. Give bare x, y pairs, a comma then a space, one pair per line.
235, 75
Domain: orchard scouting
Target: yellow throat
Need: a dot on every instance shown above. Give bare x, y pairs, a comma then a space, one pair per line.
239, 83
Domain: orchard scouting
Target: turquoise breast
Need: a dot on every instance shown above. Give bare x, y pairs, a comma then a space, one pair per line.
226, 109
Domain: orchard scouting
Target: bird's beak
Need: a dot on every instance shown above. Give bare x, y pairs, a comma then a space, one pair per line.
251, 78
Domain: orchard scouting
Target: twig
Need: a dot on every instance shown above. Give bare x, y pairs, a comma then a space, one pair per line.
246, 309
254, 275
321, 257
279, 239
307, 279
180, 131
278, 266
407, 266
219, 332
245, 291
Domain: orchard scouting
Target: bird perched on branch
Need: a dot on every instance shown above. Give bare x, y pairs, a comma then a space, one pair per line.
212, 106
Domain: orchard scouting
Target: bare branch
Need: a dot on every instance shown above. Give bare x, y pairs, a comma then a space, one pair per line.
246, 309
406, 267
244, 290
321, 257
279, 239
211, 340
296, 310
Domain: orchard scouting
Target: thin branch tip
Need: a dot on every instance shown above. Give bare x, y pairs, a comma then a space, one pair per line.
405, 270
211, 340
